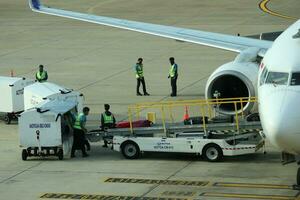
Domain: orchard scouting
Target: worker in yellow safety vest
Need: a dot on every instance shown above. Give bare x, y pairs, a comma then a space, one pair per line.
173, 75
139, 74
41, 75
107, 121
79, 132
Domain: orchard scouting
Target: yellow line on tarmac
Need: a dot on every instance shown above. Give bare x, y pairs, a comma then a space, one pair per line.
248, 196
253, 185
263, 7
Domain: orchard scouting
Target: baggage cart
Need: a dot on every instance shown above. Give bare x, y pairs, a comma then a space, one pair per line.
46, 130
41, 92
12, 99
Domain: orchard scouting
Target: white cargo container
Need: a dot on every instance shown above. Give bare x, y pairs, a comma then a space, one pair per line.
46, 130
41, 92
12, 99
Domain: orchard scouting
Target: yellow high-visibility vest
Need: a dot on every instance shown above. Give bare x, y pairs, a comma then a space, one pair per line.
139, 71
41, 76
172, 71
77, 121
108, 119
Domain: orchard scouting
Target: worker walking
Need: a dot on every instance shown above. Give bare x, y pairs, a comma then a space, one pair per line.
173, 75
79, 133
41, 75
139, 74
107, 121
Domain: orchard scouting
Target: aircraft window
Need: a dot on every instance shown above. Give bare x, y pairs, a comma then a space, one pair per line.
263, 75
278, 78
295, 80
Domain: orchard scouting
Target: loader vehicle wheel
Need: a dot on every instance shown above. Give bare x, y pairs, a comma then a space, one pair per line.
212, 153
24, 154
130, 150
60, 154
298, 176
7, 119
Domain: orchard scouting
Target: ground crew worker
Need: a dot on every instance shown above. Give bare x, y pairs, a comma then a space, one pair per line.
107, 121
79, 133
139, 74
41, 75
173, 74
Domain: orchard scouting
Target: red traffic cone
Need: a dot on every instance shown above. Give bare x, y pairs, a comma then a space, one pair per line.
186, 114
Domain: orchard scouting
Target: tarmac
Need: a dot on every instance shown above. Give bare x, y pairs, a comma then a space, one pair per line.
98, 61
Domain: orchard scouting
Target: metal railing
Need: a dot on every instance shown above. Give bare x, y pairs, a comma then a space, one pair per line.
206, 108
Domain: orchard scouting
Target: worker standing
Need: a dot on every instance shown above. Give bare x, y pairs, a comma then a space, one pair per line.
41, 75
139, 74
79, 132
107, 121
173, 75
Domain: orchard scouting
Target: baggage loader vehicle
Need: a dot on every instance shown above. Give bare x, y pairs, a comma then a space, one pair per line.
213, 138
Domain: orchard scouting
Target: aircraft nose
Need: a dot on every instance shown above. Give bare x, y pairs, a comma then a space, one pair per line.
281, 119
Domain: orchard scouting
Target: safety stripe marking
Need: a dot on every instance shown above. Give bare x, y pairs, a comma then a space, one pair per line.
248, 196
159, 182
234, 130
240, 148
252, 185
102, 197
178, 193
263, 7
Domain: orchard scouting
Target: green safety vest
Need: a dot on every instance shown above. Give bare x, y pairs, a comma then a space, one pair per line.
172, 71
77, 121
40, 76
139, 71
108, 119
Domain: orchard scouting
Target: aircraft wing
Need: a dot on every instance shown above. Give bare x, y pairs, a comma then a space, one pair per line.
217, 40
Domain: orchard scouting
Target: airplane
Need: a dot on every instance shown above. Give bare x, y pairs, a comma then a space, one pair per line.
269, 70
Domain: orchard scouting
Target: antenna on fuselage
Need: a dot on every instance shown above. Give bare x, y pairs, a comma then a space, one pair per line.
297, 35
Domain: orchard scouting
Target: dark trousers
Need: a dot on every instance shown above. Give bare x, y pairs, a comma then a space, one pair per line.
138, 83
174, 86
78, 141
104, 128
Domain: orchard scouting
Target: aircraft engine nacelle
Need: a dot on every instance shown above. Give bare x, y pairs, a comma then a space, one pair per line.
234, 79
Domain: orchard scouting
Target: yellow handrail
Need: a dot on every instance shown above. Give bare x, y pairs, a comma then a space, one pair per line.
205, 104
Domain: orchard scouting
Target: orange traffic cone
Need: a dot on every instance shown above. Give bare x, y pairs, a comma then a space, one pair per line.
12, 73
186, 114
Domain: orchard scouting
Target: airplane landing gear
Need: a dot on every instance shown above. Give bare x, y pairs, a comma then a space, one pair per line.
297, 186
298, 176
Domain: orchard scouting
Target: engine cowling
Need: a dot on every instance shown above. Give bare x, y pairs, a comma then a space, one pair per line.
234, 79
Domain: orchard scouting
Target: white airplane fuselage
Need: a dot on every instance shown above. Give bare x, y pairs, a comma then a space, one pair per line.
279, 91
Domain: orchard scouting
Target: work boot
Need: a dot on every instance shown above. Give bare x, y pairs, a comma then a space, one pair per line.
85, 155
88, 147
138, 94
